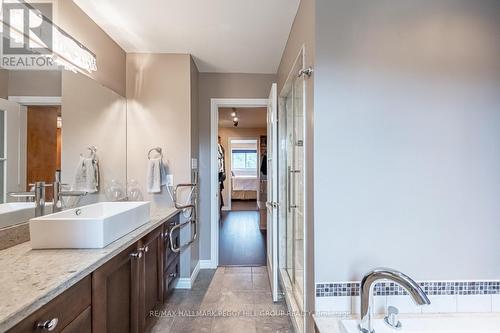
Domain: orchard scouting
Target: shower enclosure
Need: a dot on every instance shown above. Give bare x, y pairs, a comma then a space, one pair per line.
292, 188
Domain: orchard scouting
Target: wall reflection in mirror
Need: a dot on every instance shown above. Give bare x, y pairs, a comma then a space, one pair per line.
62, 143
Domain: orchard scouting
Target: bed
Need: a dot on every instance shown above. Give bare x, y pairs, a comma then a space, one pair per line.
244, 187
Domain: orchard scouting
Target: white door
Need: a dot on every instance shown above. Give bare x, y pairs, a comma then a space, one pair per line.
272, 190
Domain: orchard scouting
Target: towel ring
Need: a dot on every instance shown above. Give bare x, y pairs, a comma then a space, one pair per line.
158, 150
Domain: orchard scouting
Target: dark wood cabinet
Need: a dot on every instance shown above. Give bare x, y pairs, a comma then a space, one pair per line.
60, 314
82, 323
152, 273
116, 293
119, 296
171, 259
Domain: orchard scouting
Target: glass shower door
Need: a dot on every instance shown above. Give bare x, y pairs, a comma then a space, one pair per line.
292, 159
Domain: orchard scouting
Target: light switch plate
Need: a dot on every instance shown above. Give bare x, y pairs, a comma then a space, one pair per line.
170, 180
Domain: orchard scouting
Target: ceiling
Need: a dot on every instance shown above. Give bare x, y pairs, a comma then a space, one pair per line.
248, 117
229, 36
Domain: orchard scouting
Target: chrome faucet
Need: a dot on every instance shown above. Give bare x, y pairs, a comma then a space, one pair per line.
59, 193
38, 194
366, 292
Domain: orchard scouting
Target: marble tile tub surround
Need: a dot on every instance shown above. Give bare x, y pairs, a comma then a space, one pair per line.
30, 278
445, 297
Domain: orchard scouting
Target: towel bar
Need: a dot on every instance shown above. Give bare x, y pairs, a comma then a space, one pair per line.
192, 218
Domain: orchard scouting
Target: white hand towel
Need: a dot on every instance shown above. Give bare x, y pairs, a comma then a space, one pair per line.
86, 175
154, 179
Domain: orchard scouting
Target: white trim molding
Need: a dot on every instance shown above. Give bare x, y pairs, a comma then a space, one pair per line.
207, 264
187, 283
36, 100
215, 104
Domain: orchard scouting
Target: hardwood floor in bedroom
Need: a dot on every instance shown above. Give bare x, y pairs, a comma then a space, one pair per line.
241, 242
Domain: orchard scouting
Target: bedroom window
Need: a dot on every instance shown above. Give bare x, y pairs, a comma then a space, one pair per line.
244, 159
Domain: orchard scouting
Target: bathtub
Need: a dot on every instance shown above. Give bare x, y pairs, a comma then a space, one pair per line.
473, 323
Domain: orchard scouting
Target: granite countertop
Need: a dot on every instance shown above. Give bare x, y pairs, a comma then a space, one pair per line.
30, 278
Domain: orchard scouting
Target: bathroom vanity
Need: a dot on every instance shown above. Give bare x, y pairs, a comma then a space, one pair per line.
112, 289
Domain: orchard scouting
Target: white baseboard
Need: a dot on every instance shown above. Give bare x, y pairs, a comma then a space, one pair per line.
208, 264
187, 283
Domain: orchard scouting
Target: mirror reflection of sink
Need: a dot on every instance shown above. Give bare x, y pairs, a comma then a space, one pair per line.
92, 226
17, 212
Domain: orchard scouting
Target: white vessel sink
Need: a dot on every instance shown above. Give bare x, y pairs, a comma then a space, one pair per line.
92, 226
18, 212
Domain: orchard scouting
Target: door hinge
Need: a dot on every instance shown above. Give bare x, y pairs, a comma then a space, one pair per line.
306, 71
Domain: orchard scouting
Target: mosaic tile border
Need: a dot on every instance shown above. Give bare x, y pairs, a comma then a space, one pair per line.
430, 288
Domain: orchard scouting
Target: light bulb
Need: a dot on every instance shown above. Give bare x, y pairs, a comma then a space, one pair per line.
233, 114
235, 119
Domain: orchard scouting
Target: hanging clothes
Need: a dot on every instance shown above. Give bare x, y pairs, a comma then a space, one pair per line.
222, 170
263, 165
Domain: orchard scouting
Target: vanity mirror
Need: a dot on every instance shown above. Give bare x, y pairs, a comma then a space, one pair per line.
63, 129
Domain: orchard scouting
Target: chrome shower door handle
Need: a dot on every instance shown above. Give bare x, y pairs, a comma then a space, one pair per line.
290, 194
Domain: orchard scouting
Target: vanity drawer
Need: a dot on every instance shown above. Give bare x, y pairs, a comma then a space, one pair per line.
171, 275
82, 323
71, 306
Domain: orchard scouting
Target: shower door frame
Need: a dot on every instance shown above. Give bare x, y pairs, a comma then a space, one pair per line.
308, 298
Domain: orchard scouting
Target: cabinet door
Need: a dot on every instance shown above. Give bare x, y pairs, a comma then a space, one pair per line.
115, 294
82, 323
61, 312
152, 273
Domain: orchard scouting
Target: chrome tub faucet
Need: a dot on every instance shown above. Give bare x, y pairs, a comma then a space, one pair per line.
368, 285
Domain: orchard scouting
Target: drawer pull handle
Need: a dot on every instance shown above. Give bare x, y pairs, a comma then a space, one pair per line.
136, 254
48, 325
172, 275
144, 249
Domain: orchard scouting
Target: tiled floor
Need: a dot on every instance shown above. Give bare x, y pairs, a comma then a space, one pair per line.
230, 299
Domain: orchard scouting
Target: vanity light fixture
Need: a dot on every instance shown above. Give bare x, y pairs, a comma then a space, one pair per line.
66, 50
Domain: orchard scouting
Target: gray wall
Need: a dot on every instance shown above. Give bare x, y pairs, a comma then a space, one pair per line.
219, 85
407, 138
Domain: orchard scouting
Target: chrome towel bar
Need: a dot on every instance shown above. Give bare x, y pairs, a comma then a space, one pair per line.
193, 219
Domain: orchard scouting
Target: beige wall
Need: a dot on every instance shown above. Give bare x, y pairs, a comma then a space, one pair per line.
110, 56
227, 133
34, 83
220, 85
93, 115
160, 112
4, 83
303, 35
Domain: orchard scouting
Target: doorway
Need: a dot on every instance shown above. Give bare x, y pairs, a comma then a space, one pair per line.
242, 166
43, 153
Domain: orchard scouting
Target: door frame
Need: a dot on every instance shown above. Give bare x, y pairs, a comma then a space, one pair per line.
215, 104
